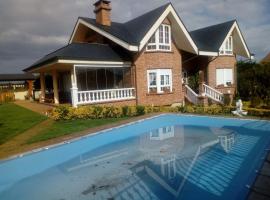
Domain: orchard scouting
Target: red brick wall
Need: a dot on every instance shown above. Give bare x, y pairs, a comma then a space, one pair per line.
158, 60
119, 103
222, 62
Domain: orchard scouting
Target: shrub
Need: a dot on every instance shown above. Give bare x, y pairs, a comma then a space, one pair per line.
112, 112
84, 112
132, 111
98, 112
140, 110
149, 109
60, 112
258, 112
125, 111
189, 109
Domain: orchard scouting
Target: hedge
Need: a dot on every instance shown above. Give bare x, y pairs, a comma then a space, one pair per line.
99, 112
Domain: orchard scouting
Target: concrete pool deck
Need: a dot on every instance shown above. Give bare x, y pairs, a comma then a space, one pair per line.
260, 190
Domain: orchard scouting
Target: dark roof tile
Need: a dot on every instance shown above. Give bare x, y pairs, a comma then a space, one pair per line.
134, 30
210, 38
83, 51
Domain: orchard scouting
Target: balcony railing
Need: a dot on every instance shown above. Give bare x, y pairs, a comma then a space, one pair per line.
99, 96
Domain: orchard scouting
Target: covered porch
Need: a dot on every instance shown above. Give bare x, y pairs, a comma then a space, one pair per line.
81, 77
88, 84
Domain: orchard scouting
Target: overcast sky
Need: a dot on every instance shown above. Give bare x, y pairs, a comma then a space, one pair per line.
29, 29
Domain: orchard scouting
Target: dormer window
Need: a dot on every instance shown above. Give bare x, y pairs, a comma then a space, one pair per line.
161, 40
227, 47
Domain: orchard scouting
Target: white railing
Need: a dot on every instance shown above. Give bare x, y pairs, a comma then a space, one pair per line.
99, 96
213, 94
191, 95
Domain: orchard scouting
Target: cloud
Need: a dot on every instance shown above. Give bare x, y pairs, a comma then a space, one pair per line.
33, 28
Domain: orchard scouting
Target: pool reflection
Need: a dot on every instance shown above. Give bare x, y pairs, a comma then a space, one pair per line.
170, 162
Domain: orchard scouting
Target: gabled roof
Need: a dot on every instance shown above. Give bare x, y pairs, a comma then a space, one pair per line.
83, 51
134, 34
211, 38
16, 77
134, 30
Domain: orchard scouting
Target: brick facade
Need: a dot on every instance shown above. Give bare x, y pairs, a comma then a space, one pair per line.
159, 60
120, 103
221, 62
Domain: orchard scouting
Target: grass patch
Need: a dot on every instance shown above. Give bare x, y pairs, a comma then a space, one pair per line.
15, 120
61, 128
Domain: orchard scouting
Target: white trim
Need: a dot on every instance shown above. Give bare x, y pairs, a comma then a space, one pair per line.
102, 63
35, 69
153, 29
227, 50
160, 72
104, 33
146, 38
157, 44
235, 26
208, 53
108, 95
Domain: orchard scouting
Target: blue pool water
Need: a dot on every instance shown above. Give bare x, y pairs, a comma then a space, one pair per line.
167, 157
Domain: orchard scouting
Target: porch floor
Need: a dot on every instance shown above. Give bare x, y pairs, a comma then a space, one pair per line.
35, 106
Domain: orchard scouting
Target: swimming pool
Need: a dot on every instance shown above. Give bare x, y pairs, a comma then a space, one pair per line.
165, 157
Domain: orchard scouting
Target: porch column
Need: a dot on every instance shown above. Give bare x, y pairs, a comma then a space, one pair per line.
74, 88
42, 87
30, 88
55, 87
201, 82
203, 100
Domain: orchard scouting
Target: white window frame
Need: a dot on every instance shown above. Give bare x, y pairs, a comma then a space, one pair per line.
227, 76
161, 83
158, 45
227, 47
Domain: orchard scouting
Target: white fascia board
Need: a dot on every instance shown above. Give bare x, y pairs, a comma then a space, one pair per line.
168, 10
105, 34
208, 53
95, 63
235, 26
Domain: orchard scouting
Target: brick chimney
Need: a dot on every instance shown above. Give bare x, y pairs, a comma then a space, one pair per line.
103, 12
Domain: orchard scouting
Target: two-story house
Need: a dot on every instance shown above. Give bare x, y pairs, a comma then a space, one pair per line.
145, 61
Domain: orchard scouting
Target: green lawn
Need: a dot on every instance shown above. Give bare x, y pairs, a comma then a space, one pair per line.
15, 120
60, 128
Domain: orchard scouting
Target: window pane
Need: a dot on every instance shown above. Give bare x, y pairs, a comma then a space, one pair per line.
152, 39
228, 76
152, 79
91, 79
161, 34
81, 79
220, 76
167, 35
167, 80
230, 43
162, 80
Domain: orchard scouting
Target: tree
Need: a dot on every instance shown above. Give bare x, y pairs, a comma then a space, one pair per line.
254, 83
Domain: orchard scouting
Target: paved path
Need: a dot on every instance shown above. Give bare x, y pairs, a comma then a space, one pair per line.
34, 106
261, 188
